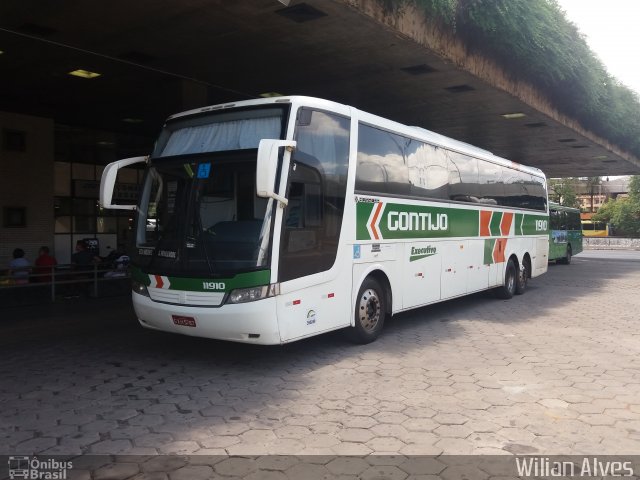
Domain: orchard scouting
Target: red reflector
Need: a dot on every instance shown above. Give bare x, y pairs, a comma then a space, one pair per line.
331, 295
296, 302
184, 321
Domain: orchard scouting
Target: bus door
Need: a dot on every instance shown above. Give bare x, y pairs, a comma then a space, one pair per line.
315, 279
558, 234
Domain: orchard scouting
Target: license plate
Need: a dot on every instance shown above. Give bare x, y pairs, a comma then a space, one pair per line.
184, 321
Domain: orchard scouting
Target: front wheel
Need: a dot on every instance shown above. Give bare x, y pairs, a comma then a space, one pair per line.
370, 312
507, 290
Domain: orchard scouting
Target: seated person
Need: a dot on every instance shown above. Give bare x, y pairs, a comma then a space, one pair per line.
19, 267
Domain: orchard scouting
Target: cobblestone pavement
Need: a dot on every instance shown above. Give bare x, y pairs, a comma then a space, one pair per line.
555, 371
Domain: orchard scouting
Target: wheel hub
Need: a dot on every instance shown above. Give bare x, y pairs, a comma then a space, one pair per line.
369, 309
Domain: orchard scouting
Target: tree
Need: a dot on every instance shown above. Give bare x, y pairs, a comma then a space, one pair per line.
623, 213
563, 191
593, 185
634, 187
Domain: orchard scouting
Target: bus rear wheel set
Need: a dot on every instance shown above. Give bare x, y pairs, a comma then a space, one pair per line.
566, 260
371, 308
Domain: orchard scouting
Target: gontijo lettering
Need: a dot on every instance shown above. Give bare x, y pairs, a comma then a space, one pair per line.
405, 221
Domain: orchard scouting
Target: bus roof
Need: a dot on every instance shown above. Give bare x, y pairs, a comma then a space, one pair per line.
418, 133
557, 206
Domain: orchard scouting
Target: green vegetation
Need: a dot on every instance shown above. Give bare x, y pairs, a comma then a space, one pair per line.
534, 41
623, 213
563, 191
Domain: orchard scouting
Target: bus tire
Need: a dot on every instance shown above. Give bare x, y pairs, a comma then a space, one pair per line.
567, 260
370, 312
523, 277
506, 291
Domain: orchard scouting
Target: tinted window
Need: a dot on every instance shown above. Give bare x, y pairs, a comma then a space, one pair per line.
428, 170
574, 221
463, 178
400, 166
536, 193
491, 183
382, 163
554, 219
317, 185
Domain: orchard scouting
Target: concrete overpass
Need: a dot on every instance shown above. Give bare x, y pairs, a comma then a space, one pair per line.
156, 58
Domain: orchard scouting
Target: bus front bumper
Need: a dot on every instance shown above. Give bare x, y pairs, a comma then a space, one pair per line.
251, 322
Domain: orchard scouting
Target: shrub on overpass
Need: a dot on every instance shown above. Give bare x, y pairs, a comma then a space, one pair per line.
534, 41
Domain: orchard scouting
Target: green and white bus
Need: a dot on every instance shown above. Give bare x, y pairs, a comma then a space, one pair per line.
565, 234
268, 221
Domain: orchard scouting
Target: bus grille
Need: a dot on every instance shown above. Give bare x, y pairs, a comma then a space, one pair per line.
180, 297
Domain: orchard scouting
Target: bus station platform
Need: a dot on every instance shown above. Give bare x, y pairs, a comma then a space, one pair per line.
554, 371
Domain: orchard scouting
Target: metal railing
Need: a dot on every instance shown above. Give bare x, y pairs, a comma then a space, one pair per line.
62, 281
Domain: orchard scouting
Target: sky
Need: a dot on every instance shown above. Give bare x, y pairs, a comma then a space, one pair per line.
612, 30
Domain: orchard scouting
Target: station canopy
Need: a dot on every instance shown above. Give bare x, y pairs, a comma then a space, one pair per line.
154, 59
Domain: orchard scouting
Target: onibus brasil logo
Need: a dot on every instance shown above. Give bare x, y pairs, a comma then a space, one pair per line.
36, 469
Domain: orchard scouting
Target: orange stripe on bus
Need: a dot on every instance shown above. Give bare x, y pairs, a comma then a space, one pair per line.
485, 219
373, 221
499, 249
505, 225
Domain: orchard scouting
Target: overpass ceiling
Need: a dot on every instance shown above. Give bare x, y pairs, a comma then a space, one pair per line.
147, 52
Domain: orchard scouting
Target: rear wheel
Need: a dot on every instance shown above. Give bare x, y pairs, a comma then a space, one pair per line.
370, 312
567, 260
523, 277
507, 290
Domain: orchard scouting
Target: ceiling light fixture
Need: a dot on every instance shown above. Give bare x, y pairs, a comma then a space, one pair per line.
511, 116
84, 73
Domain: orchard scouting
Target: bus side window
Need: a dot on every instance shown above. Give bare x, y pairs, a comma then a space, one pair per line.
554, 218
563, 220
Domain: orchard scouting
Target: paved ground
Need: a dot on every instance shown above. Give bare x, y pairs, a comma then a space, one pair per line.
555, 371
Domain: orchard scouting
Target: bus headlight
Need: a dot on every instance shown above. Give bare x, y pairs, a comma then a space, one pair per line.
244, 295
139, 288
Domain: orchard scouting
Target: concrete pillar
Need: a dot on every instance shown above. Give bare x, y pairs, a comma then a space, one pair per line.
26, 184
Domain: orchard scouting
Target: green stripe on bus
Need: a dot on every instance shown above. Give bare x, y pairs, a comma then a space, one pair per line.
489, 245
401, 221
241, 280
363, 212
494, 226
532, 224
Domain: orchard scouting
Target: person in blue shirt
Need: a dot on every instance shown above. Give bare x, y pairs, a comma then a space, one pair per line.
19, 267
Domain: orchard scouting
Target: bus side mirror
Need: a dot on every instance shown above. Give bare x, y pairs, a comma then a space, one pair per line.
108, 182
267, 167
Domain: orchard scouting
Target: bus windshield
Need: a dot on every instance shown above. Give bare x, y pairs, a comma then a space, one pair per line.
200, 215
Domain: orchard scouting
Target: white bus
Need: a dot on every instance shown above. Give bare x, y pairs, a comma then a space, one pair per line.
268, 221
